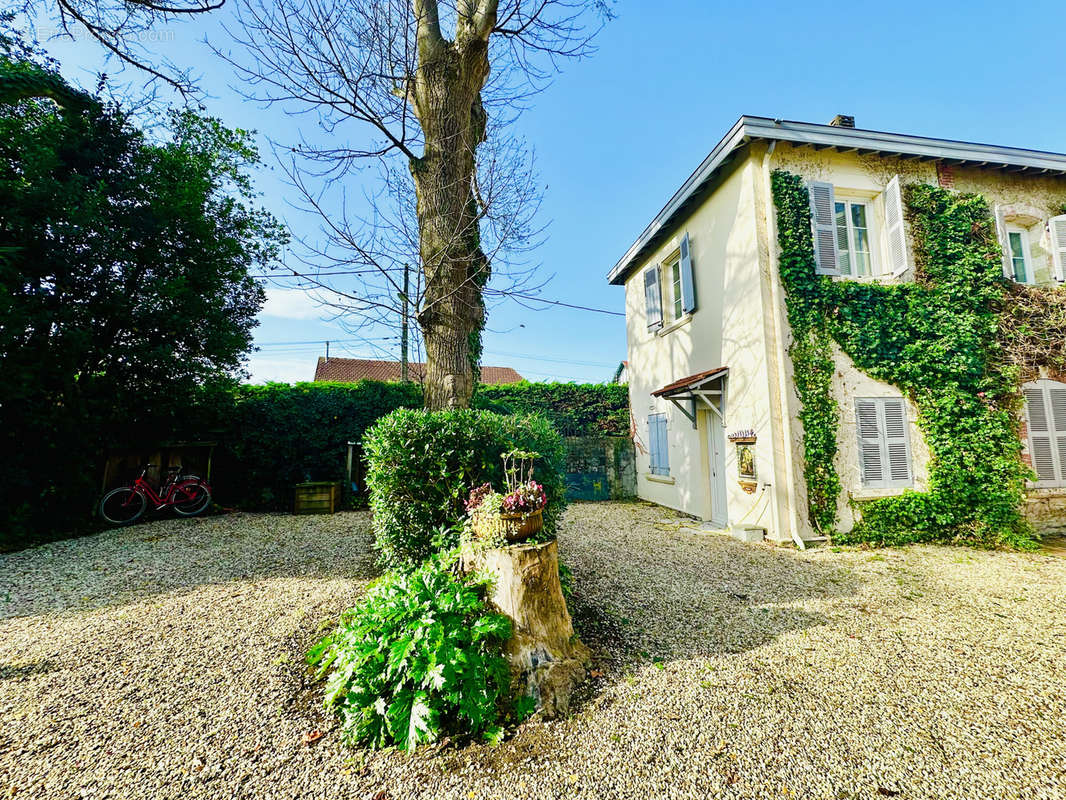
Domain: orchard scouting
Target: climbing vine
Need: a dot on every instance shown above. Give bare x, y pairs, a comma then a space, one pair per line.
941, 341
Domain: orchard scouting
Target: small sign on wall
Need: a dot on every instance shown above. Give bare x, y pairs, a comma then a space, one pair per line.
747, 472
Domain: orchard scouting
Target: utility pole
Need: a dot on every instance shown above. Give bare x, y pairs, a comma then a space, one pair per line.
403, 326
327, 351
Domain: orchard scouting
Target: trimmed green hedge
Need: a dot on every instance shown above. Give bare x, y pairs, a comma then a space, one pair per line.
422, 466
274, 436
575, 409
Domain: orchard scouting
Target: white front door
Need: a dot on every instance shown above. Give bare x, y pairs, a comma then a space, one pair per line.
716, 459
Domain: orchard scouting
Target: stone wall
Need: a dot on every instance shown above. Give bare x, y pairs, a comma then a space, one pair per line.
600, 468
1046, 509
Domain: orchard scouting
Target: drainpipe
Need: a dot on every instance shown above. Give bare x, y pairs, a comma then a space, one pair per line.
776, 292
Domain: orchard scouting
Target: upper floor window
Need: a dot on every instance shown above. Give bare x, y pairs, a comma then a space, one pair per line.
1020, 260
845, 243
853, 238
675, 274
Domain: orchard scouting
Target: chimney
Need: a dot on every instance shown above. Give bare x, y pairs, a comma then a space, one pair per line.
843, 121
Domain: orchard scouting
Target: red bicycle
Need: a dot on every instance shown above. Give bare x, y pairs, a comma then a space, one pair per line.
188, 495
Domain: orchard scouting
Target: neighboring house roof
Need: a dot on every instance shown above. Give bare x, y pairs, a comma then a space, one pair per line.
349, 370
749, 129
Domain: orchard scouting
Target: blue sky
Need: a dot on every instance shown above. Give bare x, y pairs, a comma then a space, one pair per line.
616, 134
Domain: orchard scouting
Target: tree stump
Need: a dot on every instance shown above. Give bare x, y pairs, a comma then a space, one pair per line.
545, 655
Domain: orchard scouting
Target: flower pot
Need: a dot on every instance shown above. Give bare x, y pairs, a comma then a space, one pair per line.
519, 527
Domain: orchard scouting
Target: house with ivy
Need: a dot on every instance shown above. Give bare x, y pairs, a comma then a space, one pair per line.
847, 333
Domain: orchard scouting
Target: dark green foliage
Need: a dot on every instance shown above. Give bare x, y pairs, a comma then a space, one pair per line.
936, 339
418, 657
575, 409
281, 434
124, 288
422, 466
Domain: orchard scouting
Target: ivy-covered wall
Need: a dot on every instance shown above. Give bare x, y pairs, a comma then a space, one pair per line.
941, 340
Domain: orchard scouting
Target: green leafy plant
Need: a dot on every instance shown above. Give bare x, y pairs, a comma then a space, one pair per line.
939, 340
418, 657
575, 409
422, 466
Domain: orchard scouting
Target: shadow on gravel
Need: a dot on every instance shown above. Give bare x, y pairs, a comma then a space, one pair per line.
11, 672
654, 594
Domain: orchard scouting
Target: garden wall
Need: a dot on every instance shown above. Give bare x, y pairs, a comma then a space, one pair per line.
600, 468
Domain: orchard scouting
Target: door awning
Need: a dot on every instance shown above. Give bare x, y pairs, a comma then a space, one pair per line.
706, 387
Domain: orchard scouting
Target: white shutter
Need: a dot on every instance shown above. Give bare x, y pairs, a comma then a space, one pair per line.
688, 289
1057, 226
653, 299
823, 224
884, 442
1004, 242
897, 443
1057, 403
1041, 451
896, 230
870, 462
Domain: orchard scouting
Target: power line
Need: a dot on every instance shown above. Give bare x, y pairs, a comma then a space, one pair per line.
530, 297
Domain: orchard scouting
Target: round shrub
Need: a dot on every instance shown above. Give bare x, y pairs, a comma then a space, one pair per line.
419, 656
423, 464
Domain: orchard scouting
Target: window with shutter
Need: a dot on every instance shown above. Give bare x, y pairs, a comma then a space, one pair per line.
688, 288
884, 442
658, 450
1057, 228
1045, 409
896, 230
824, 227
653, 299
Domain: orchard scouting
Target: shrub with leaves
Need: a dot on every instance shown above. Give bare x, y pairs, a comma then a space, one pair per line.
423, 465
417, 658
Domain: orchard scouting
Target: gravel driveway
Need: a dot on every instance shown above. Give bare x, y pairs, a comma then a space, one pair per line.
163, 661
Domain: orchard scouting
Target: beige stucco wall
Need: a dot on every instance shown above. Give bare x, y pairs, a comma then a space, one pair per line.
739, 323
725, 330
1027, 199
851, 383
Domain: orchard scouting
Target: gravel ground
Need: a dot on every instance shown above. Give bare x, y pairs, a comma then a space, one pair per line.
163, 661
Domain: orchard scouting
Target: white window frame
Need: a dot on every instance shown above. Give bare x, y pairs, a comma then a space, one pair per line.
658, 445
871, 231
676, 304
1027, 255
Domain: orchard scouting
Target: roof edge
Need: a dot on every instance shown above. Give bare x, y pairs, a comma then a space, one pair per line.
750, 128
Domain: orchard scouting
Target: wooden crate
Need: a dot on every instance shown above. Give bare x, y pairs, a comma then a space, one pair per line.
316, 497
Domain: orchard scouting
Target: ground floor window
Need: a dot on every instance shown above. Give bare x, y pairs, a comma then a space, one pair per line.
884, 444
1045, 413
658, 448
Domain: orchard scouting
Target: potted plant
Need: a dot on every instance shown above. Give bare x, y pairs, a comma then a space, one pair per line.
516, 515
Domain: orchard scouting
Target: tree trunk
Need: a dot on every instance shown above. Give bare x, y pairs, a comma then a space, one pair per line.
545, 655
447, 100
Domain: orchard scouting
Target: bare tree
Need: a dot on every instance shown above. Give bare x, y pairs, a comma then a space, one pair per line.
125, 29
424, 98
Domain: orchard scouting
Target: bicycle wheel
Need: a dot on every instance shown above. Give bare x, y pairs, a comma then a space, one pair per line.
123, 506
191, 497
